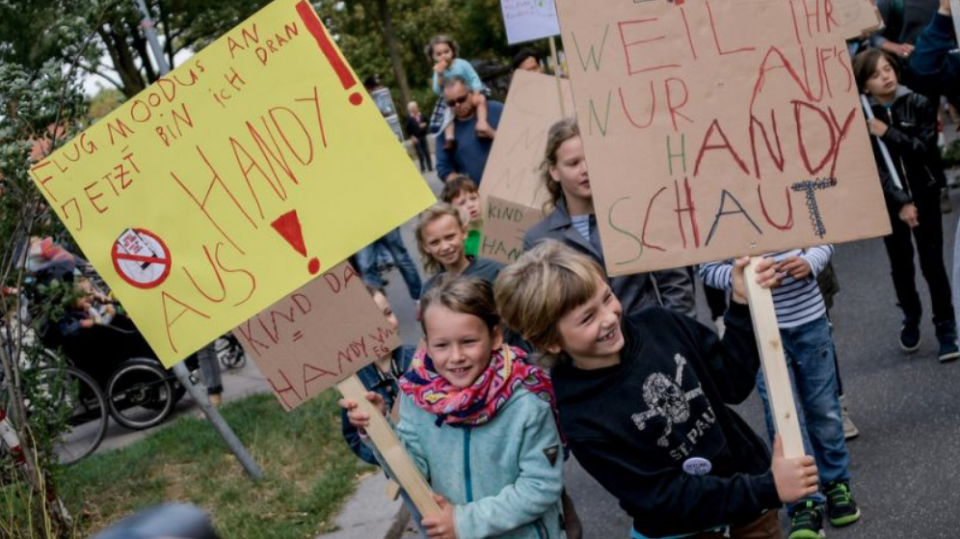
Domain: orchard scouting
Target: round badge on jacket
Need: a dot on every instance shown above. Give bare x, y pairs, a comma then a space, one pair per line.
697, 466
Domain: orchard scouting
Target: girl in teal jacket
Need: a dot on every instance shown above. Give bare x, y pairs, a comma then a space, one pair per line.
479, 422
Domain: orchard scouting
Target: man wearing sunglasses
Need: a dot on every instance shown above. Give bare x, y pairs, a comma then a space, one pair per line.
469, 156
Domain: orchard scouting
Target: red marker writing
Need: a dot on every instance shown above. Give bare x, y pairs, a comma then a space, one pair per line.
310, 20
288, 226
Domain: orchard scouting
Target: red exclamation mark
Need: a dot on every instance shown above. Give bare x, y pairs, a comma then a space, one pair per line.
310, 20
288, 226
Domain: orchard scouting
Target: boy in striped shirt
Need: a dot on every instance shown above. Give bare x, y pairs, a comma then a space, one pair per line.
809, 350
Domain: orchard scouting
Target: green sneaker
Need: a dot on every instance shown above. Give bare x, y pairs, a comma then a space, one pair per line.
841, 509
806, 521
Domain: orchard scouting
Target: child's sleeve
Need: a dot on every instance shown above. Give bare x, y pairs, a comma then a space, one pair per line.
925, 141
732, 363
407, 433
818, 257
409, 437
536, 490
465, 71
436, 85
668, 501
716, 275
352, 436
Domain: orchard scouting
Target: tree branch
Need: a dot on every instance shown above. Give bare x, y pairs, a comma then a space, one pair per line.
94, 71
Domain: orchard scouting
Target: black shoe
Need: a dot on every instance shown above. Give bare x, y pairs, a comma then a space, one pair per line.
910, 336
947, 335
806, 522
841, 509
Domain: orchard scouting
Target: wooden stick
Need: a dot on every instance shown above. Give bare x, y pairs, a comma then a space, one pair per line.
779, 388
404, 470
556, 74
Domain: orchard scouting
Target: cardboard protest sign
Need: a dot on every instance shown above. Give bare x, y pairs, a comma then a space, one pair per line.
504, 224
856, 18
527, 20
233, 180
513, 168
317, 336
512, 191
714, 129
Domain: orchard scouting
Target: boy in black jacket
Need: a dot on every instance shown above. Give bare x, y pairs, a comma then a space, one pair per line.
643, 400
907, 124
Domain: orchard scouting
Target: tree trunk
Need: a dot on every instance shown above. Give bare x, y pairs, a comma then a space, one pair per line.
122, 59
140, 45
390, 39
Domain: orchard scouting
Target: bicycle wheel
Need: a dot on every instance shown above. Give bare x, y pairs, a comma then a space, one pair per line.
230, 352
87, 421
140, 394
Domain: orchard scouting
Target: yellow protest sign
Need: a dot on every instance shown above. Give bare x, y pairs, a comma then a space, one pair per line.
232, 181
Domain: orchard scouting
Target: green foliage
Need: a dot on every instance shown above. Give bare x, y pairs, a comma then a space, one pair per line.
32, 33
951, 154
308, 471
42, 107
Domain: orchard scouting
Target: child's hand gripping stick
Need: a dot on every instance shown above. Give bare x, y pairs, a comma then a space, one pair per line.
404, 470
756, 280
868, 111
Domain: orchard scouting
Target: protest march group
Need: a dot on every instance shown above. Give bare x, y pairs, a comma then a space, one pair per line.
694, 154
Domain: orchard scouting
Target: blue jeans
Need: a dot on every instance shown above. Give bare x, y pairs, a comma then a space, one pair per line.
810, 356
393, 242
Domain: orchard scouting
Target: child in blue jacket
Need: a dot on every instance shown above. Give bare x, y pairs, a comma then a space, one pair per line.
479, 422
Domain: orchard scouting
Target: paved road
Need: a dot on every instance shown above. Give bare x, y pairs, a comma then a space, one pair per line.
906, 464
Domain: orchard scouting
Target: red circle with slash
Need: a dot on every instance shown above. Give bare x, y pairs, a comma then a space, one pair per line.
141, 258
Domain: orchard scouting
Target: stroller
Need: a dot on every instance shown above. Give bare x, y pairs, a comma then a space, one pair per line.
140, 392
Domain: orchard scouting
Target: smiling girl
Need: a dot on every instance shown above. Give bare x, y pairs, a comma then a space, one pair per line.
440, 237
479, 422
573, 221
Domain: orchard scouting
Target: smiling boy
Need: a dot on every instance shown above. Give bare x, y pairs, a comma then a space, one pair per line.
643, 400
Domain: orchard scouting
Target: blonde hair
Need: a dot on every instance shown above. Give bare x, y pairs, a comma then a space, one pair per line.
541, 287
559, 133
467, 295
429, 215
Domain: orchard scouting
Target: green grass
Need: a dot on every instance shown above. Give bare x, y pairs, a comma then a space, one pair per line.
308, 472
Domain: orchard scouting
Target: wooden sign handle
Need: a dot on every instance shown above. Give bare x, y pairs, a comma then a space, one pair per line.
773, 361
404, 470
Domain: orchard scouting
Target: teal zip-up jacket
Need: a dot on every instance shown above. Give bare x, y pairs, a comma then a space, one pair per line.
505, 477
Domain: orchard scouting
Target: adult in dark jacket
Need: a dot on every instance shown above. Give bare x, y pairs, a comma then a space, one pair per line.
471, 152
573, 222
935, 62
416, 128
903, 21
907, 124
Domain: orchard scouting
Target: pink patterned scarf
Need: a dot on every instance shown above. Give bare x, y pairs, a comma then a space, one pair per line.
479, 403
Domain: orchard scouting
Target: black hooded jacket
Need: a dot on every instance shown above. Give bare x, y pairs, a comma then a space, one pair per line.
646, 427
911, 139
